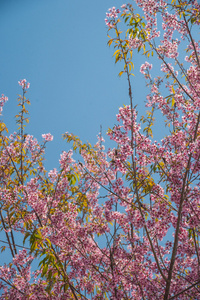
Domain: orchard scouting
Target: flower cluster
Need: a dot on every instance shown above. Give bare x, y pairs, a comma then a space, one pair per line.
135, 43
3, 100
144, 69
24, 84
111, 16
48, 137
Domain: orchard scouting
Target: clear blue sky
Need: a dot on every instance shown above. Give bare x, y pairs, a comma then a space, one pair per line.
60, 47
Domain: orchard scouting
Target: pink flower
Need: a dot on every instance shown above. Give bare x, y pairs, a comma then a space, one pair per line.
111, 16
48, 137
145, 66
24, 84
3, 100
53, 174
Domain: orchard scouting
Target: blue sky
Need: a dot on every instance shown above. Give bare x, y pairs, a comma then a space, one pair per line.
60, 47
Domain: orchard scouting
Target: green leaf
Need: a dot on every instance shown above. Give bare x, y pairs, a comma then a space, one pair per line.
27, 234
44, 270
173, 101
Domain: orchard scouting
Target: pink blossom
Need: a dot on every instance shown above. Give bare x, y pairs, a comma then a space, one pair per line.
48, 137
53, 174
3, 100
24, 84
111, 16
144, 69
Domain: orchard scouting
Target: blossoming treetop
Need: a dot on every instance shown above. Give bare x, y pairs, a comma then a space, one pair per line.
121, 224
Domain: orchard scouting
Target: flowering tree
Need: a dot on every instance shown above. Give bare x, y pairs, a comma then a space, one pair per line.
121, 224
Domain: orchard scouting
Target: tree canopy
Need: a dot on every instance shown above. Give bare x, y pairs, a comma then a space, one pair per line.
122, 223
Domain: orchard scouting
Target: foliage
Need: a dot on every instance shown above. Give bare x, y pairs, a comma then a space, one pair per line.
121, 224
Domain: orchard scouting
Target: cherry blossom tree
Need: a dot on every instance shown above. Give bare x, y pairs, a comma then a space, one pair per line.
122, 223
